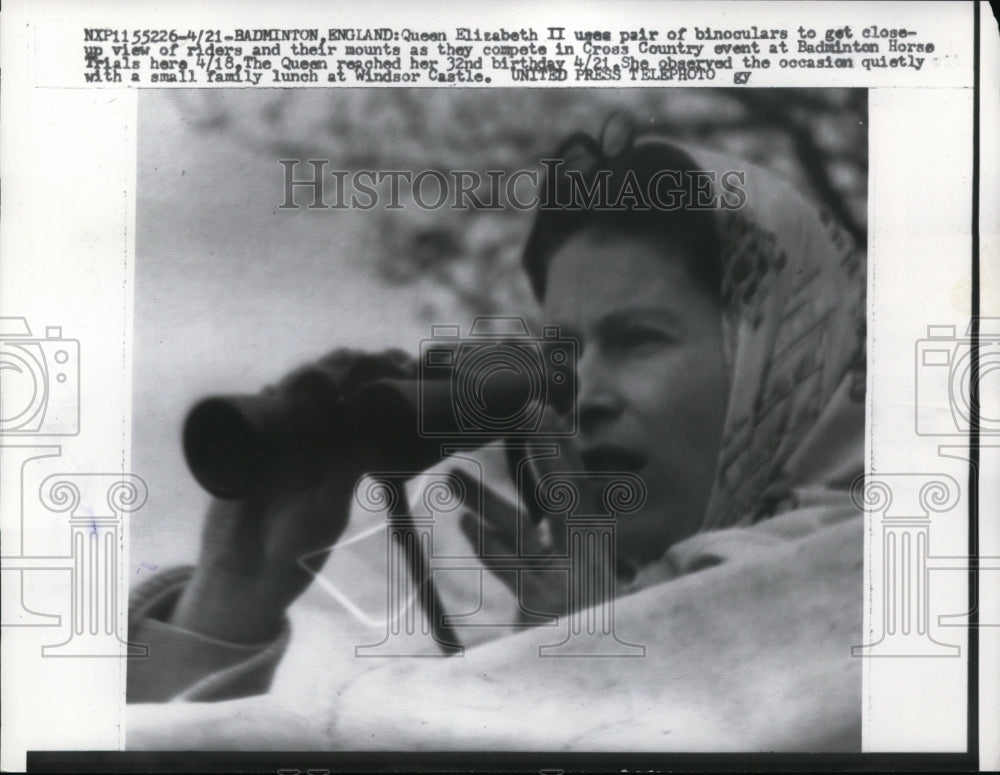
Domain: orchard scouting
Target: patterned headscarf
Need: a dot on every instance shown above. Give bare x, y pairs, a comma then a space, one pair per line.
794, 316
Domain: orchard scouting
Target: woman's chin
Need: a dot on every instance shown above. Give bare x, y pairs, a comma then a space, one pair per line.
640, 549
641, 539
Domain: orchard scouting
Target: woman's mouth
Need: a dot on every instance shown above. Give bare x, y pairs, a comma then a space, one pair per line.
611, 459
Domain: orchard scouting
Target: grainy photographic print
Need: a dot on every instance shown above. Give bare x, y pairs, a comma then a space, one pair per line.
549, 388
521, 420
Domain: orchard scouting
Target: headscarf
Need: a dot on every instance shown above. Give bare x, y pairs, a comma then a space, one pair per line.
794, 313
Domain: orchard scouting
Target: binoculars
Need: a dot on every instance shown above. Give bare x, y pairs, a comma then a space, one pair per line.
234, 443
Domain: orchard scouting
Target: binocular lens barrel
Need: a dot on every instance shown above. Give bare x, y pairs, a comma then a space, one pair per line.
232, 444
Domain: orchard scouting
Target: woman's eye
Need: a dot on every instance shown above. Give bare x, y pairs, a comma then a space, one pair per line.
639, 337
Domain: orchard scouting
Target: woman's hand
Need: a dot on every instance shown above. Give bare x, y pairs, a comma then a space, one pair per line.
259, 553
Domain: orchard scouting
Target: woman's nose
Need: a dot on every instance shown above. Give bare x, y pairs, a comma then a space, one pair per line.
599, 399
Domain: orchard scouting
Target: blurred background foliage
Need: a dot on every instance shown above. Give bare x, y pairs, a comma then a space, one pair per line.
817, 138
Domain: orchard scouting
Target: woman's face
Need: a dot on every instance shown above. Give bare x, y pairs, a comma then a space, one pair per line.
652, 381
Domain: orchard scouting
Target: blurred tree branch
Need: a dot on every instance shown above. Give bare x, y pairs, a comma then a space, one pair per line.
770, 107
